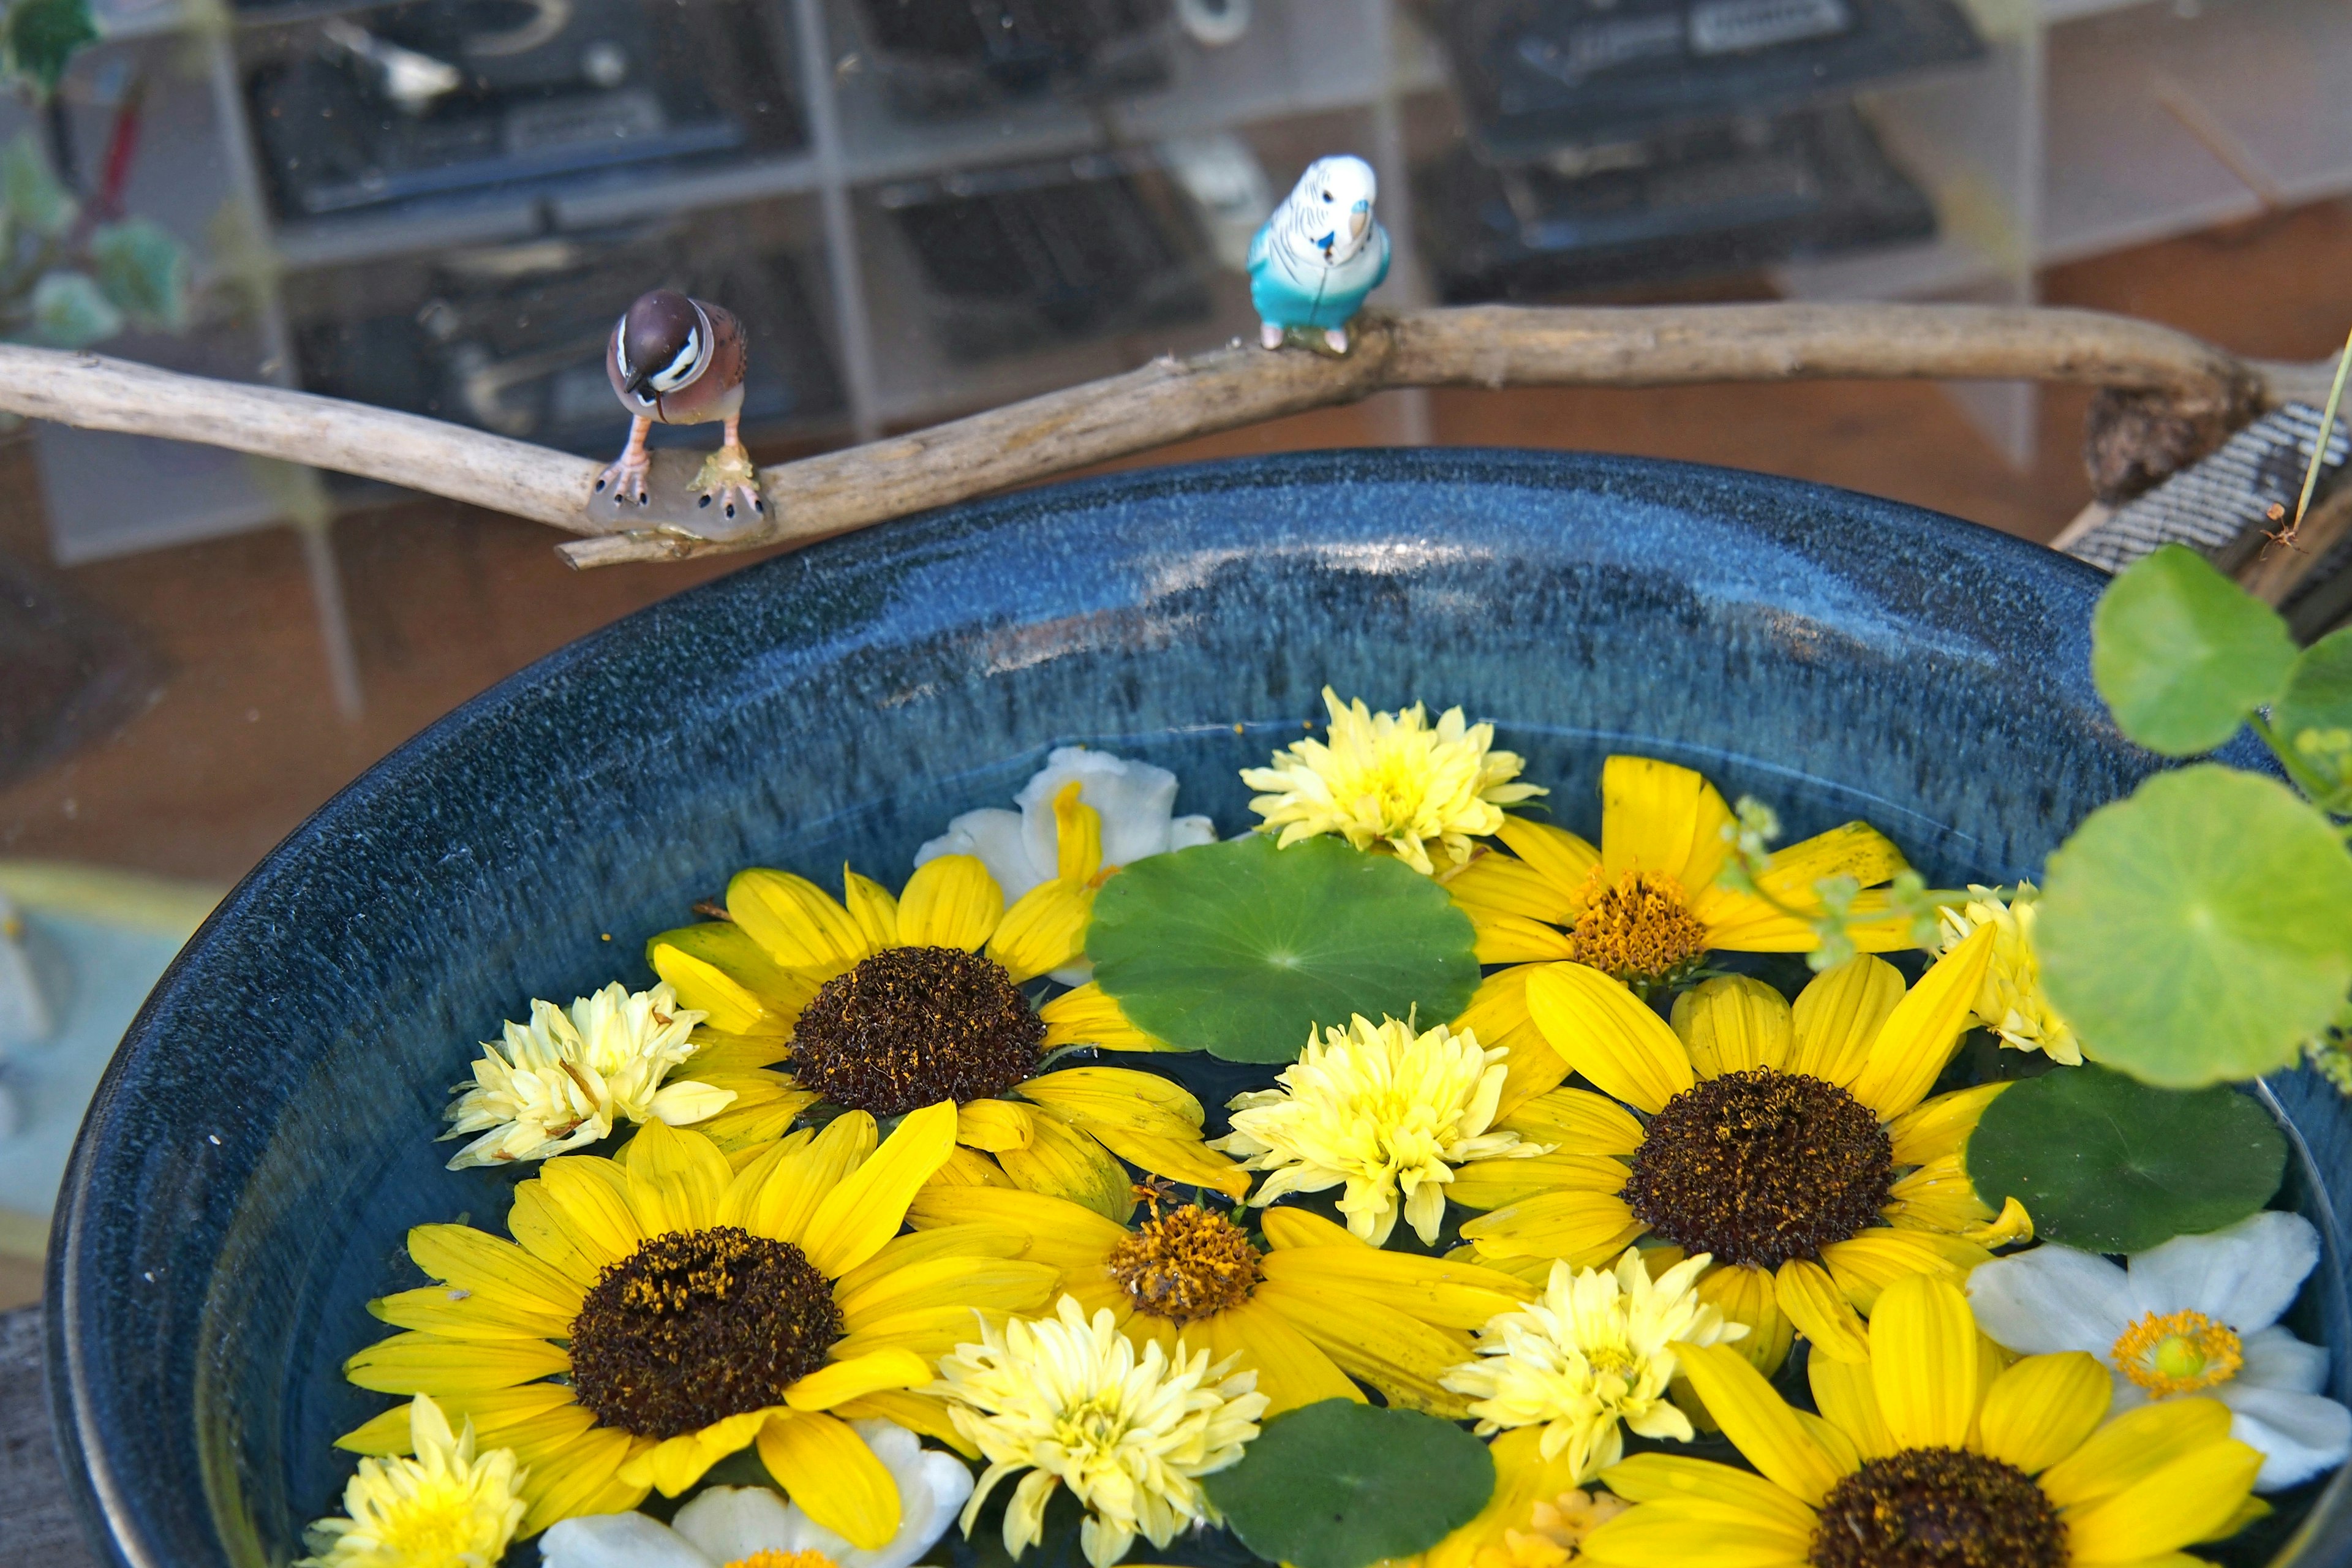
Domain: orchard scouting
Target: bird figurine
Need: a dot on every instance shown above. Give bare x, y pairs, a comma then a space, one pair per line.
1319, 254
680, 361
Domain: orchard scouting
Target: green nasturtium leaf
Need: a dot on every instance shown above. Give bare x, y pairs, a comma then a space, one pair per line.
70, 311
144, 271
1239, 948
1341, 1484
2109, 1165
2182, 654
43, 34
2201, 931
2313, 719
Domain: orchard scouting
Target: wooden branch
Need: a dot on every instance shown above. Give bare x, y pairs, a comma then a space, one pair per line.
1172, 400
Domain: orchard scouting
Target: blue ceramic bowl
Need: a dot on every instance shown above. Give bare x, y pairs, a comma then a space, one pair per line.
263, 1140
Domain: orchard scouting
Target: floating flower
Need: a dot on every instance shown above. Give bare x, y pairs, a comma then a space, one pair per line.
2198, 1315
442, 1507
564, 1081
1538, 1518
1388, 781
887, 1004
2011, 1003
1314, 1308
1383, 1108
1922, 1457
1776, 1140
736, 1525
1074, 1403
1136, 801
1646, 906
698, 1310
1597, 1353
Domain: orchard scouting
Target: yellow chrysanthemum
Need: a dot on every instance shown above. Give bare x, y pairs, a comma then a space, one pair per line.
697, 1310
1073, 1404
1388, 781
1538, 1518
1381, 1108
1316, 1309
1929, 1452
2011, 1003
883, 1003
1790, 1144
1646, 906
1594, 1355
441, 1508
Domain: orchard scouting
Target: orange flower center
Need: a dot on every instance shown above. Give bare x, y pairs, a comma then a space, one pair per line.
1638, 928
1187, 1264
2177, 1352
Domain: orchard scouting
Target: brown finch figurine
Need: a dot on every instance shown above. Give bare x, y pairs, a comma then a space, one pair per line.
680, 361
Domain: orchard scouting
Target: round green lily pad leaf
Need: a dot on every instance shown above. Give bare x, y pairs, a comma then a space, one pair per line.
2106, 1163
2182, 654
1239, 948
2201, 931
1341, 1485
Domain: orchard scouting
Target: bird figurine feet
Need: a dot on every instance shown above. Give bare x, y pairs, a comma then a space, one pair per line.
675, 359
1319, 254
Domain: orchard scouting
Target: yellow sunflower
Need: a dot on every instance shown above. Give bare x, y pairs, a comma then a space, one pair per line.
1646, 906
1776, 1139
696, 1310
1317, 1309
884, 1003
1931, 1452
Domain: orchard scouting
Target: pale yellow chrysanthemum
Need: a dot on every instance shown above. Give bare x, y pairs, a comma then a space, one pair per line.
1594, 1356
1382, 1109
1388, 780
443, 1508
1074, 1403
565, 1081
2010, 1002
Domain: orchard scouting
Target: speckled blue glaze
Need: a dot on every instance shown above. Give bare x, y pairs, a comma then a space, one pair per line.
260, 1147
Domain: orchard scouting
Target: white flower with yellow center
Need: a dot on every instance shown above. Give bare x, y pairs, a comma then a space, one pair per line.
2198, 1315
565, 1081
2010, 1002
1383, 1110
1074, 1403
1389, 781
442, 1508
1595, 1355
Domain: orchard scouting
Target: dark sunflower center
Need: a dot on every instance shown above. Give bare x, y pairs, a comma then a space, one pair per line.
698, 1325
1939, 1508
1639, 929
1189, 1263
1761, 1166
913, 1025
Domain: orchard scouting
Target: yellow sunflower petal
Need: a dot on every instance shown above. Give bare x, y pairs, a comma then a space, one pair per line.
427, 1364
950, 901
716, 1050
1866, 1264
587, 1482
1070, 1237
765, 1106
1746, 1294
1291, 1371
1578, 1121
918, 1413
1695, 1533
1009, 1284
969, 1168
1433, 1290
1288, 1227
1733, 1023
1609, 1035
1585, 1228
704, 986
869, 903
1919, 1037
676, 1463
1497, 1018
1523, 1478
995, 1125
458, 1315
1078, 835
1938, 1127
1096, 1097
796, 922
1745, 923
931, 1333
1063, 1163
1088, 1016
1839, 1012
677, 1177
1500, 938
1848, 1399
1662, 819
834, 1477
1502, 885
1402, 1357
1820, 1312
548, 1233
787, 1198
591, 1193
845, 1380
1758, 1422
1492, 1183
1660, 1478
1923, 1362
2042, 1409
923, 1246
1044, 929
2134, 1446
866, 1207
1559, 855
499, 1272
1185, 1161
2183, 1501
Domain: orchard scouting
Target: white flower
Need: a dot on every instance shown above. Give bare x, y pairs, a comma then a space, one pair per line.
2196, 1315
1021, 848
730, 1524
566, 1081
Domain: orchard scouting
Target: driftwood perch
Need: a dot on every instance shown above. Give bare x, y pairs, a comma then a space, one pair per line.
2152, 376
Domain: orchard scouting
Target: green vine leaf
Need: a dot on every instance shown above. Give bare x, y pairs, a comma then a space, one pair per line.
1239, 948
71, 311
2182, 654
45, 35
144, 271
30, 191
1341, 1484
2200, 930
2108, 1164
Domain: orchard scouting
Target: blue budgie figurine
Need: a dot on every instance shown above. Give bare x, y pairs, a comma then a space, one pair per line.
1319, 254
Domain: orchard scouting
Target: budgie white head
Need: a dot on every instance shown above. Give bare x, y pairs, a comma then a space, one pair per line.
1328, 217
